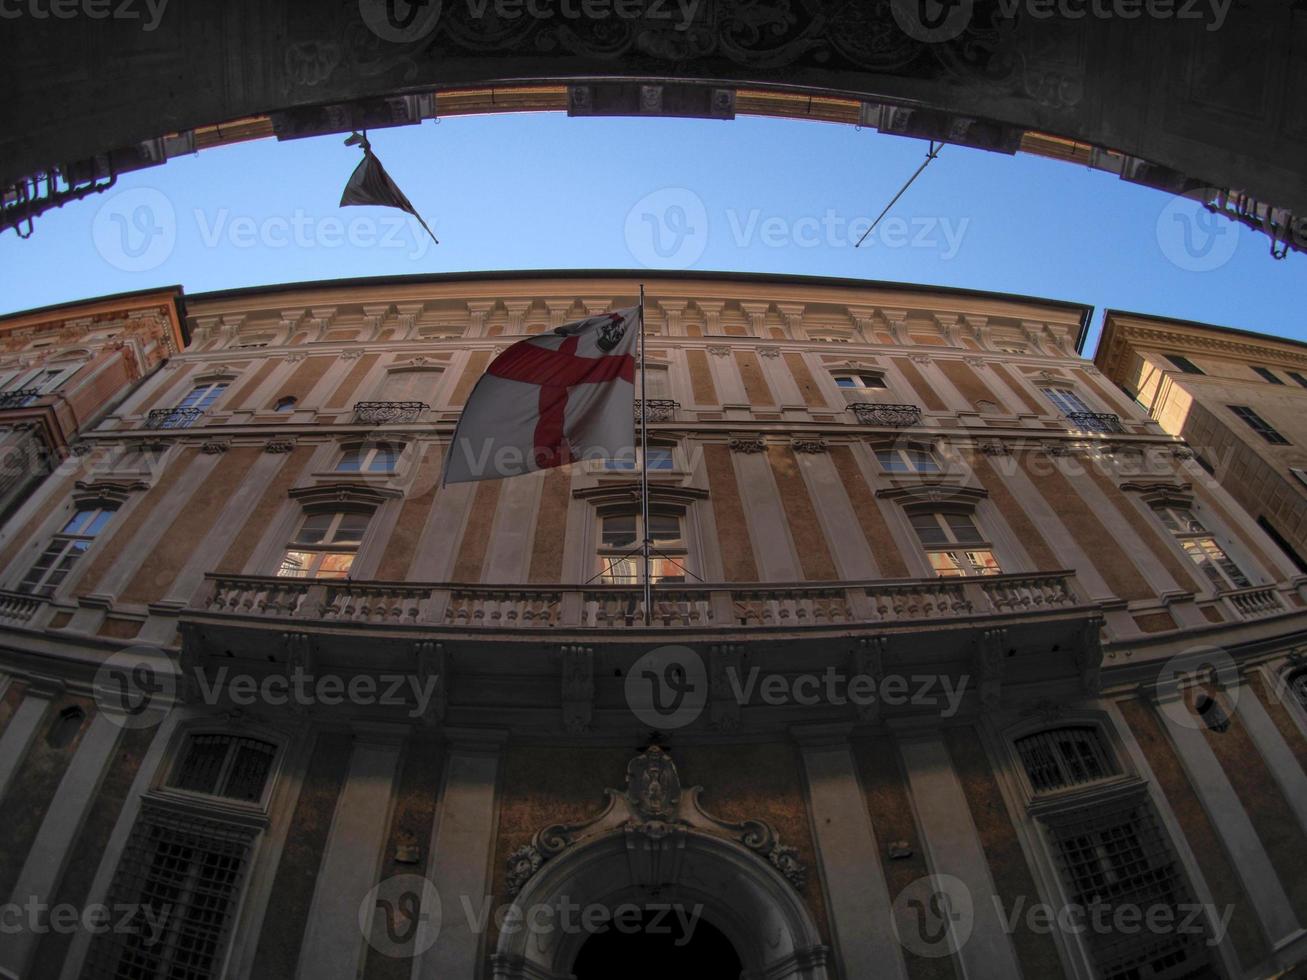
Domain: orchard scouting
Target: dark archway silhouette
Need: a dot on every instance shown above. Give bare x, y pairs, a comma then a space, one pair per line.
658, 945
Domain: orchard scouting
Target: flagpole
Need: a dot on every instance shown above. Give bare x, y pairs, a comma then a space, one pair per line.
644, 474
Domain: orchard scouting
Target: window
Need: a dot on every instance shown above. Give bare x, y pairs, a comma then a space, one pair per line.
65, 727
184, 877
1064, 757
286, 404
188, 412
370, 458
224, 765
1300, 474
1269, 375
325, 545
1184, 364
1118, 858
860, 380
65, 548
1298, 687
1281, 542
1259, 425
1067, 401
202, 396
658, 457
954, 545
619, 553
908, 459
1201, 547
1297, 377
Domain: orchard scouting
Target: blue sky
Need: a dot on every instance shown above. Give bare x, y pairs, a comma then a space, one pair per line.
754, 195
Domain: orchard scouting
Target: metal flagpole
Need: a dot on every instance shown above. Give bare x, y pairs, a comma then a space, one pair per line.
644, 475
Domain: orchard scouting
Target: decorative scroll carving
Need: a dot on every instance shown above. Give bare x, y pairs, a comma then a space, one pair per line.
279, 446
659, 409
214, 446
769, 352
747, 445
809, 445
893, 416
716, 350
656, 807
383, 413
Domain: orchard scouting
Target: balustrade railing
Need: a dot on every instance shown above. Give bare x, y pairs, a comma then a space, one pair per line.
1095, 422
385, 413
1255, 603
17, 399
657, 409
893, 416
173, 418
688, 606
17, 608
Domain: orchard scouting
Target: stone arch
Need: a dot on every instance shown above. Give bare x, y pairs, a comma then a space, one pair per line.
739, 893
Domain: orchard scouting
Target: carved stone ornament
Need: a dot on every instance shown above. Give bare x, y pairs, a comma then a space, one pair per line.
655, 806
809, 445
279, 446
768, 352
747, 445
719, 351
214, 446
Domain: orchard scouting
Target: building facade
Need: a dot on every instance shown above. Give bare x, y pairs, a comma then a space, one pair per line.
957, 663
62, 370
1238, 398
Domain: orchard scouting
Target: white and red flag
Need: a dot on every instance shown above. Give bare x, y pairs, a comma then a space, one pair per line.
550, 400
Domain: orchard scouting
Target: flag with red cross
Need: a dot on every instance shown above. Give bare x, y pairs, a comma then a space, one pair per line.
551, 400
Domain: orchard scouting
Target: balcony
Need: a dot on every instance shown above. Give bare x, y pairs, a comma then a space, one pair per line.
1255, 603
889, 416
912, 602
173, 418
388, 413
1095, 422
18, 399
657, 409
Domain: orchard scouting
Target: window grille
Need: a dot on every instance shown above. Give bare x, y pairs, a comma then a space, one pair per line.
1114, 858
225, 765
188, 872
1064, 757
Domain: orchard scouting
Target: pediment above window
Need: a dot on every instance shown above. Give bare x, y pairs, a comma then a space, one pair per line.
115, 491
1159, 492
342, 492
626, 491
932, 493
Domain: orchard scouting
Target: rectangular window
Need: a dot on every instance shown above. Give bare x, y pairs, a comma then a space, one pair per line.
1202, 548
1269, 375
64, 549
369, 459
1067, 401
660, 459
860, 380
945, 537
1118, 859
184, 875
1184, 364
1297, 377
326, 545
620, 545
1259, 425
909, 459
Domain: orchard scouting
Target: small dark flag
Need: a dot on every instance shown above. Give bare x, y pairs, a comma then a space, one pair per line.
370, 184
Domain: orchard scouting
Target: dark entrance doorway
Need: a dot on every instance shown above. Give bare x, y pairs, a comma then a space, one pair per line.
656, 947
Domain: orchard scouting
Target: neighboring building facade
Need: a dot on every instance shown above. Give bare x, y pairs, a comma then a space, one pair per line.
1238, 398
948, 636
62, 369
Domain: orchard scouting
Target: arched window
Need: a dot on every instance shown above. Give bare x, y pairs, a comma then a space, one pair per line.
65, 727
325, 545
286, 404
66, 547
953, 543
1061, 757
229, 766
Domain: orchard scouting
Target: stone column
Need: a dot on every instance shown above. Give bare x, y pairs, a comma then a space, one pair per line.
63, 822
859, 901
952, 846
462, 845
334, 946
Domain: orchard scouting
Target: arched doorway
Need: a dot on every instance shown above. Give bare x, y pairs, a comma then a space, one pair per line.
718, 883
655, 945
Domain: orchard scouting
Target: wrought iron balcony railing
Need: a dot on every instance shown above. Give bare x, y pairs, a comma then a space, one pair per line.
1095, 422
385, 413
895, 416
17, 399
659, 409
173, 418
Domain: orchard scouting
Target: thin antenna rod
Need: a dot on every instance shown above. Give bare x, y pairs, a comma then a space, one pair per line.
934, 152
644, 474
